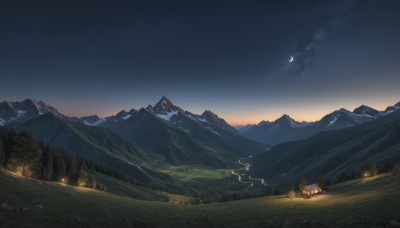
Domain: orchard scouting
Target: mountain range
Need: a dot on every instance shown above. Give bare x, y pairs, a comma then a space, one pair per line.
332, 153
136, 142
142, 142
181, 136
286, 129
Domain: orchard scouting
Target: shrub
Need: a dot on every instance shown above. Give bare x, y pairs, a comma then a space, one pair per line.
291, 194
396, 169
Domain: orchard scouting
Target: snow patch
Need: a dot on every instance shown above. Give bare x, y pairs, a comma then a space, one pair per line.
333, 121
216, 133
20, 112
167, 116
126, 117
202, 119
369, 116
2, 122
98, 122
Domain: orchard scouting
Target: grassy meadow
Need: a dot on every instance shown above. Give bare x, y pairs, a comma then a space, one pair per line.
355, 203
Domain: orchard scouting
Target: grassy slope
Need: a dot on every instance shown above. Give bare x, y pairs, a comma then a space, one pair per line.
200, 146
206, 182
123, 188
96, 144
332, 152
365, 200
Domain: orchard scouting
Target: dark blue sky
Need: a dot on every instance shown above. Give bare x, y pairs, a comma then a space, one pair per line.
97, 57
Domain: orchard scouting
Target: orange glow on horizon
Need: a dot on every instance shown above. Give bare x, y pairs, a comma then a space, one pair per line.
299, 112
308, 114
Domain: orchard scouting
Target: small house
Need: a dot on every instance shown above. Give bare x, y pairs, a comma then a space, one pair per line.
311, 189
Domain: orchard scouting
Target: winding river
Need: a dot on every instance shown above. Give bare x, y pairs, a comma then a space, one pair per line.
246, 168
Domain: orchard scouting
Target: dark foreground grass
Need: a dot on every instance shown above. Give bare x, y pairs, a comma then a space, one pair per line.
357, 203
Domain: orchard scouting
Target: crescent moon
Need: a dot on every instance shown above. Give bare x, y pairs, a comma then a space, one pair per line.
291, 59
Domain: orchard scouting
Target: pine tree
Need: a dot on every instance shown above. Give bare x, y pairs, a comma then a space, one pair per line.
364, 170
375, 170
302, 183
25, 155
290, 191
72, 167
49, 165
83, 177
396, 169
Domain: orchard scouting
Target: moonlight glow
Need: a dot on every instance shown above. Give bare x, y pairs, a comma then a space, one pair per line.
291, 59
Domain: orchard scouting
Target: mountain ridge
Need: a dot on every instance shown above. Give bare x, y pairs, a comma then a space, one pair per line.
286, 129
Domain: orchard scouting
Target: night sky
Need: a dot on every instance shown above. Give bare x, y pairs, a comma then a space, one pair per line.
231, 57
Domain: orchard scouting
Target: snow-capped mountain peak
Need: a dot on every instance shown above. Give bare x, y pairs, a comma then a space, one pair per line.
165, 106
286, 120
366, 111
343, 118
208, 115
391, 109
22, 110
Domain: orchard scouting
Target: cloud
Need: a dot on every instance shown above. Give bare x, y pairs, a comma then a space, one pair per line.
307, 50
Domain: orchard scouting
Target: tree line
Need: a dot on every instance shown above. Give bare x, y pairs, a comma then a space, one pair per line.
20, 153
365, 171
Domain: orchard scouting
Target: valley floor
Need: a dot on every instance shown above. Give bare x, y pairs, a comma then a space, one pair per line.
358, 203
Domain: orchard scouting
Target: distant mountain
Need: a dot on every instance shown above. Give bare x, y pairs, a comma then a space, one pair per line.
93, 143
181, 136
341, 119
245, 128
11, 112
281, 130
330, 153
367, 111
391, 109
167, 111
286, 129
165, 129
95, 120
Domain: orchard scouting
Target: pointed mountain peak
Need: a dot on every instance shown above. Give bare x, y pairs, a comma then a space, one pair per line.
209, 115
28, 100
132, 110
121, 113
263, 123
365, 110
285, 118
124, 114
363, 107
164, 101
393, 108
164, 105
164, 98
